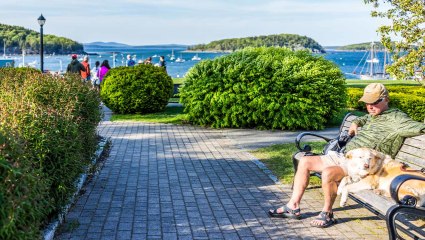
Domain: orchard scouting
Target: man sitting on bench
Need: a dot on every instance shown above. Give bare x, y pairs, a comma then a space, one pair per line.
383, 129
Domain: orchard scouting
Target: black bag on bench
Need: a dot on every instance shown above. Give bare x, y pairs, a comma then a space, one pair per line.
337, 144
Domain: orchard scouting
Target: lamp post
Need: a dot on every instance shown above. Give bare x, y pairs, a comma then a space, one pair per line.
41, 21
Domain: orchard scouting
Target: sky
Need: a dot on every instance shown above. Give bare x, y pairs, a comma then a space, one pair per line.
149, 22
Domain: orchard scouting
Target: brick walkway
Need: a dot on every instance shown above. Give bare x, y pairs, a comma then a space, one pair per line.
181, 182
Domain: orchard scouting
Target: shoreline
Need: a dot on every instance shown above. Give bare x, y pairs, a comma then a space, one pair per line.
207, 51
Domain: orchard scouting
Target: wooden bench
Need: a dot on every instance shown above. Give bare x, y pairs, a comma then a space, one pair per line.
399, 214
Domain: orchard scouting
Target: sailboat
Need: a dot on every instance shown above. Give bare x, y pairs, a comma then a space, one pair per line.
180, 59
172, 57
196, 58
372, 69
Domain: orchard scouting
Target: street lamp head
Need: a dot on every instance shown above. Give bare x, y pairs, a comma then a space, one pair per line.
41, 20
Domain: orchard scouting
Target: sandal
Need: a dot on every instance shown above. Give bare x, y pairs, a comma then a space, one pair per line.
287, 213
327, 218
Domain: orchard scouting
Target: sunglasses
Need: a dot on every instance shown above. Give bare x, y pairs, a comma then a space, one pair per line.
378, 101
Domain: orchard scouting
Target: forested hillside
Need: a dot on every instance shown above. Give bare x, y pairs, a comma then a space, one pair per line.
291, 41
361, 46
18, 38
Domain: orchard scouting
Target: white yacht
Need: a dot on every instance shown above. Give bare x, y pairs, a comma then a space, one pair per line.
196, 58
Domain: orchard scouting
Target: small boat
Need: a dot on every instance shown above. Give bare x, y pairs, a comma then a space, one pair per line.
180, 60
196, 58
172, 57
372, 69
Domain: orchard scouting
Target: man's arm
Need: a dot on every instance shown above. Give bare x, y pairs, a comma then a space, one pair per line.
358, 122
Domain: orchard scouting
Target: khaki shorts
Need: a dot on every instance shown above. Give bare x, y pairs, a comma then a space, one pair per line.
334, 159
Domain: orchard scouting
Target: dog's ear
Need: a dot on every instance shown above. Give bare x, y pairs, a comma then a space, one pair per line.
380, 155
376, 161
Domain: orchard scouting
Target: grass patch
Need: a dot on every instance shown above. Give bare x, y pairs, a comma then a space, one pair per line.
356, 83
173, 100
278, 158
178, 80
173, 115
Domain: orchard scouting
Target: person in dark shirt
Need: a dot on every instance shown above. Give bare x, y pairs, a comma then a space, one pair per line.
162, 63
75, 66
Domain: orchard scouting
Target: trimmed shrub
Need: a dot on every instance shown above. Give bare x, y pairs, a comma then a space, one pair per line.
409, 99
414, 106
138, 89
57, 119
267, 88
354, 94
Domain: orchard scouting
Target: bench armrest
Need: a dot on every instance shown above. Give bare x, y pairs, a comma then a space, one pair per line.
396, 184
307, 148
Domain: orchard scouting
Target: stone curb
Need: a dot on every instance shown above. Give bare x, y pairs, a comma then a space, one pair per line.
50, 230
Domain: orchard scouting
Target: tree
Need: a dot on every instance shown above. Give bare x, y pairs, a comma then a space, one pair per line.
407, 25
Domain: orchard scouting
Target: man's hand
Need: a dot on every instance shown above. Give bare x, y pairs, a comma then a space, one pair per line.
353, 129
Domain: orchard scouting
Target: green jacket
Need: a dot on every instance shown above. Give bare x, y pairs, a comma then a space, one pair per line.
385, 132
75, 67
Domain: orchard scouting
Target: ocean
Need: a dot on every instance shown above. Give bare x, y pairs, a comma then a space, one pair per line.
347, 61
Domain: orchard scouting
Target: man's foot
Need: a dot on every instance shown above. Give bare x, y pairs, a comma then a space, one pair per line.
324, 220
285, 212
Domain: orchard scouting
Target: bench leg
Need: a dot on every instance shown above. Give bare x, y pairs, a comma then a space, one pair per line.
295, 164
390, 219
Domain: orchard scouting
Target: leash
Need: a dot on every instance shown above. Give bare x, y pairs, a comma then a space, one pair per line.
404, 166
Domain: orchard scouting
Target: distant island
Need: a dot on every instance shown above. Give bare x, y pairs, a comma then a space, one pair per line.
15, 39
360, 47
292, 41
112, 45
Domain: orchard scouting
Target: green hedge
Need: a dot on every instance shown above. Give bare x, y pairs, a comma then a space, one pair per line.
56, 118
267, 88
23, 194
138, 89
410, 100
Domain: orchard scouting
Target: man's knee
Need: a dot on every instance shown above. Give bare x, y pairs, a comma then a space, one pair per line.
311, 163
332, 174
305, 161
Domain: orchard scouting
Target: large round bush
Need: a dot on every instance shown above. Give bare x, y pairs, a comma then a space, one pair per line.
267, 88
138, 89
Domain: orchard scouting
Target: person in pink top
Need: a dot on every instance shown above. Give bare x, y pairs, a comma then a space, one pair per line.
104, 68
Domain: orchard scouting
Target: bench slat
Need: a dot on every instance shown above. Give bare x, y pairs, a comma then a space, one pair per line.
380, 203
420, 137
346, 125
412, 150
415, 142
413, 161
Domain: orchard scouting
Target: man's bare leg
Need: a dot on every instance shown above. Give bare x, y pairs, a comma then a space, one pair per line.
301, 180
330, 178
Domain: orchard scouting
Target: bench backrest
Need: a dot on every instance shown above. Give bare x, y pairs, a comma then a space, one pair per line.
411, 152
346, 123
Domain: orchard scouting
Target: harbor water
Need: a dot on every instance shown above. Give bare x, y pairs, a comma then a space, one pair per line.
347, 61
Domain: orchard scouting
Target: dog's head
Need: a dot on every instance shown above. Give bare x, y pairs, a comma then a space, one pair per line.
364, 161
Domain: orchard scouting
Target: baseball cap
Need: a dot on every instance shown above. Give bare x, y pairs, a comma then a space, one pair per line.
74, 56
373, 92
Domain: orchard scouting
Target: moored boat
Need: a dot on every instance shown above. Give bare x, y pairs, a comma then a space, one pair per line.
370, 66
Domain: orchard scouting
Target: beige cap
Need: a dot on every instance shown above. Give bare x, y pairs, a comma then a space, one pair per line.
373, 92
